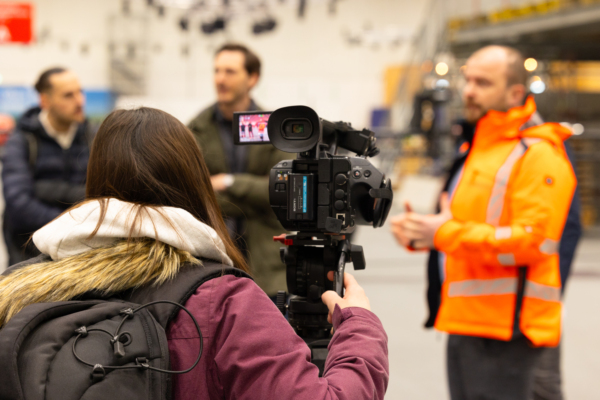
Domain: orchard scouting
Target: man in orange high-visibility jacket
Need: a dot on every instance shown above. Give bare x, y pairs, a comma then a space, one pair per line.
498, 233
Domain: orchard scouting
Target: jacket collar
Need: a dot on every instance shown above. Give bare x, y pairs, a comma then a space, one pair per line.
498, 125
30, 122
218, 115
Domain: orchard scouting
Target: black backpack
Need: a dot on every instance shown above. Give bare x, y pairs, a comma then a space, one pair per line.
95, 348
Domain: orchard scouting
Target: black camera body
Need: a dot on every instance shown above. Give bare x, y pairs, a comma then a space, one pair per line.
322, 197
329, 195
320, 192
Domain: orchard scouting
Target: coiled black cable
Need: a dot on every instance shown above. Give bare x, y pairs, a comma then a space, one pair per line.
140, 364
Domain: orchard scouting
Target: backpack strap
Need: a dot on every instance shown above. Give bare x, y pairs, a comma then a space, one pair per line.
32, 148
88, 133
180, 289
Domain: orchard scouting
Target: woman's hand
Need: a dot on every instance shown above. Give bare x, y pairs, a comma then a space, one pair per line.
354, 295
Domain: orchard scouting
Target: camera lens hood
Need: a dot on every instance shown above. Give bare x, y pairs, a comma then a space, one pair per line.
293, 115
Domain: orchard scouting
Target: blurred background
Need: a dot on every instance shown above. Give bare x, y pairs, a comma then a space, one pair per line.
393, 66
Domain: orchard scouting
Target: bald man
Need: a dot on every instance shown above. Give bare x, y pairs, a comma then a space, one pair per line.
494, 277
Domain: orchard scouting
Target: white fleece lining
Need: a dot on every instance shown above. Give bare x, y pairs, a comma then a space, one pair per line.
68, 234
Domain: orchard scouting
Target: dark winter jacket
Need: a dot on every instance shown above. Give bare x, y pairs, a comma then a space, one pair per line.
568, 243
40, 180
247, 198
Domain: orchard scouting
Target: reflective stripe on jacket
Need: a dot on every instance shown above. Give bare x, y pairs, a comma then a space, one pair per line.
509, 210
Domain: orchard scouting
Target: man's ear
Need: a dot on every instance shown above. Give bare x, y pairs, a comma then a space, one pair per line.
44, 101
516, 95
253, 80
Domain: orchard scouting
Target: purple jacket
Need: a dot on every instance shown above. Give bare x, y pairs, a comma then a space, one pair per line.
251, 352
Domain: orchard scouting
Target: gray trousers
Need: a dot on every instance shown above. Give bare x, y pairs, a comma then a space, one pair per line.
547, 380
487, 369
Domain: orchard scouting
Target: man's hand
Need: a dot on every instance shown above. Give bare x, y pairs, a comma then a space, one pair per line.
418, 231
221, 182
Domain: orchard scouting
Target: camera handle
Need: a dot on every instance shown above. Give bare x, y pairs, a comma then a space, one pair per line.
339, 274
352, 253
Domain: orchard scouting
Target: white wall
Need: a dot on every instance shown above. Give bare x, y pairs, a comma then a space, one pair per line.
305, 61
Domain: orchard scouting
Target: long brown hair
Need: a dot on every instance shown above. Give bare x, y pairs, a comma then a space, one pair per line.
147, 157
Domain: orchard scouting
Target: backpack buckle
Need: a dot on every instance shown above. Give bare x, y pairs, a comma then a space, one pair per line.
118, 347
98, 373
142, 362
127, 312
82, 331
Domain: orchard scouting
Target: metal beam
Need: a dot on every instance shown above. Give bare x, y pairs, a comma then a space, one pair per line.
560, 20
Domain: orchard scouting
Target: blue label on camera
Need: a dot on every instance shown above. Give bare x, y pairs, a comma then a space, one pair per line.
304, 192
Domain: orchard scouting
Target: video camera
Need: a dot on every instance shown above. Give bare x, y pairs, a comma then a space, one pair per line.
322, 197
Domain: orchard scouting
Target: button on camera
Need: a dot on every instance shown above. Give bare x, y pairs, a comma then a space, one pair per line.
339, 205
367, 173
356, 173
340, 194
340, 179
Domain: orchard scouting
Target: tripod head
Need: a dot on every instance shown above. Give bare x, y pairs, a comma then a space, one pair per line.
308, 260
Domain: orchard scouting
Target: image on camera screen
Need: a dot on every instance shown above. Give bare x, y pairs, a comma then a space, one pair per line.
253, 128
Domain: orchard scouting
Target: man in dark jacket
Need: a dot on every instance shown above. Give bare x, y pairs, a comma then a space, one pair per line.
240, 174
45, 161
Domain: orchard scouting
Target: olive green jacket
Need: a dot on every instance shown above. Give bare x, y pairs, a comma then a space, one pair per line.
247, 197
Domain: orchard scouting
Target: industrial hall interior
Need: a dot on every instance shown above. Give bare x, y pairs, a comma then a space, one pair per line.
300, 199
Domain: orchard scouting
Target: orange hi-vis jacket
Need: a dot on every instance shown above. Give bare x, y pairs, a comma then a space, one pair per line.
509, 209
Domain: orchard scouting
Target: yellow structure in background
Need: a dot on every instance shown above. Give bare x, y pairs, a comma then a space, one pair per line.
581, 76
528, 11
393, 80
514, 13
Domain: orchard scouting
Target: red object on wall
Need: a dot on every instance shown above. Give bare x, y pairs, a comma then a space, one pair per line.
16, 23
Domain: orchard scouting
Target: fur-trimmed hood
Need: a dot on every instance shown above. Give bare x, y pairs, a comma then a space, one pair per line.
164, 240
71, 233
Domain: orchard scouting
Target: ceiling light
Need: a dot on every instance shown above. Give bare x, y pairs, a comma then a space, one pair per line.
537, 87
577, 129
442, 84
266, 25
531, 64
184, 24
218, 24
441, 68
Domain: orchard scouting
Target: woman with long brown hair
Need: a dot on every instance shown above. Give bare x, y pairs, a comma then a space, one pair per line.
149, 212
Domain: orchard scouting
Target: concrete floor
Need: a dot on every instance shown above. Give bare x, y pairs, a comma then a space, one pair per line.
395, 281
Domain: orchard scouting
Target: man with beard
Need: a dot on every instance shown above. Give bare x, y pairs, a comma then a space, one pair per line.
240, 174
45, 161
495, 283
